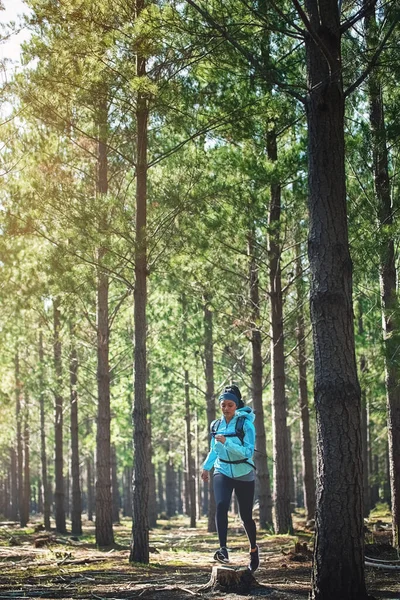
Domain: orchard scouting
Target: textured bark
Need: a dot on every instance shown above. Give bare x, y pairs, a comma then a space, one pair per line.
210, 399
260, 456
338, 569
306, 450
43, 452
59, 493
76, 508
388, 276
282, 514
104, 529
140, 526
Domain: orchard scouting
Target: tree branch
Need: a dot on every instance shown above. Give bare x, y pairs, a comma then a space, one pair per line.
359, 15
249, 56
374, 58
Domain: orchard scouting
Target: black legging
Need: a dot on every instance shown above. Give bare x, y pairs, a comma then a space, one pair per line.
244, 491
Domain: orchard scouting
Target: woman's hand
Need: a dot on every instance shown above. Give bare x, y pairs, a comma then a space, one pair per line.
205, 475
220, 438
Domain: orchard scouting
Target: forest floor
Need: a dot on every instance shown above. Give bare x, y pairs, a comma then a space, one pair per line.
37, 564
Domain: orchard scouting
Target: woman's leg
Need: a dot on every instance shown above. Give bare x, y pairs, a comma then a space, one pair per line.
244, 491
223, 487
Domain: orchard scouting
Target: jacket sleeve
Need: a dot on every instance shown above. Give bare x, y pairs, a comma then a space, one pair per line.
246, 450
211, 457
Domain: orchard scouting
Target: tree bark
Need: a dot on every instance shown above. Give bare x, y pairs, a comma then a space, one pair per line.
210, 397
59, 494
104, 528
306, 450
43, 452
388, 276
338, 569
260, 455
140, 526
282, 514
76, 509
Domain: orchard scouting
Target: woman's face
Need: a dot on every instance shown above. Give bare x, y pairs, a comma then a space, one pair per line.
228, 408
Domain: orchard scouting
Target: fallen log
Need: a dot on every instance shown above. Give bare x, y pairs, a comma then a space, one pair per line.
229, 579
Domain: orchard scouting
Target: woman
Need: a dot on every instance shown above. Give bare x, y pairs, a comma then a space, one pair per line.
231, 452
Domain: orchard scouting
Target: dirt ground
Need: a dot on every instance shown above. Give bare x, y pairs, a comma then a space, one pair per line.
46, 565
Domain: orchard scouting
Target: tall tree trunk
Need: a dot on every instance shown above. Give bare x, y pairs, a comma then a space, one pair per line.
190, 461
76, 508
260, 456
306, 450
114, 485
59, 495
20, 450
43, 451
140, 526
104, 528
89, 486
338, 569
282, 514
210, 397
170, 488
13, 485
388, 276
27, 478
150, 464
160, 491
364, 421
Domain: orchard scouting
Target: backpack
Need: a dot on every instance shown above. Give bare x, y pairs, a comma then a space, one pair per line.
239, 432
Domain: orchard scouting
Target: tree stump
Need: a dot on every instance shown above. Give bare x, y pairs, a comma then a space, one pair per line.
228, 579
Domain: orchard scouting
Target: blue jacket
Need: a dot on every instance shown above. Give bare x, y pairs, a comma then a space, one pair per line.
233, 449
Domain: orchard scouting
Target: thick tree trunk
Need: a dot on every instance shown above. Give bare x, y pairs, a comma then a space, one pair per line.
210, 397
260, 456
388, 277
306, 450
76, 509
140, 526
338, 570
59, 494
43, 451
282, 514
104, 528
